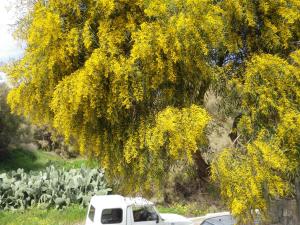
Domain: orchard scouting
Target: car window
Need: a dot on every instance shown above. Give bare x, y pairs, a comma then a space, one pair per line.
92, 213
111, 216
145, 213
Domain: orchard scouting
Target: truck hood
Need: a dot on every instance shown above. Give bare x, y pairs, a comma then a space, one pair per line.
175, 219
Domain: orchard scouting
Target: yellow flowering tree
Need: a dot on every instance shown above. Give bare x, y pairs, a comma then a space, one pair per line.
269, 133
124, 78
259, 83
127, 79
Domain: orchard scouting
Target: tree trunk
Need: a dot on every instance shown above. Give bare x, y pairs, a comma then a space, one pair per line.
201, 166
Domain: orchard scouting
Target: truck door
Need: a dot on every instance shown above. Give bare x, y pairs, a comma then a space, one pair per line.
144, 215
129, 217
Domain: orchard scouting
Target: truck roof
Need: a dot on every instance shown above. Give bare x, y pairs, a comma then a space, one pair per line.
113, 201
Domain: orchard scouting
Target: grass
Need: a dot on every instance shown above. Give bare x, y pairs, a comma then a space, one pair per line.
37, 160
70, 216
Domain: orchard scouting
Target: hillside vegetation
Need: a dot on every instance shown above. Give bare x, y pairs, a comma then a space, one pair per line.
37, 160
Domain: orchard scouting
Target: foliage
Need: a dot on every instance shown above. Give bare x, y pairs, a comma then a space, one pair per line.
36, 216
38, 160
261, 26
103, 71
51, 187
9, 123
259, 83
252, 28
270, 127
176, 131
47, 139
187, 209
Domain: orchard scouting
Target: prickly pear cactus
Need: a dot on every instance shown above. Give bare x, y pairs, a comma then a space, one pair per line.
51, 187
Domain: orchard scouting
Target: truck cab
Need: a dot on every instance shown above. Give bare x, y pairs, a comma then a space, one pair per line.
119, 210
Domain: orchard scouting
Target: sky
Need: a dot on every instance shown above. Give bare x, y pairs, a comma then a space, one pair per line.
9, 48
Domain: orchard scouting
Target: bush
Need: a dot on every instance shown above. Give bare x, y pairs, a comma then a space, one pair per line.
189, 209
16, 130
9, 123
51, 187
47, 138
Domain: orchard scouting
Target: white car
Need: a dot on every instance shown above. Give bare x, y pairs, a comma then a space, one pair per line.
222, 218
119, 210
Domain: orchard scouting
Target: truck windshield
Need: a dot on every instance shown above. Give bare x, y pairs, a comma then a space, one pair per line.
144, 213
110, 216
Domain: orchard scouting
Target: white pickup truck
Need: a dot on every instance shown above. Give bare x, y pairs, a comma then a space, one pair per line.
119, 210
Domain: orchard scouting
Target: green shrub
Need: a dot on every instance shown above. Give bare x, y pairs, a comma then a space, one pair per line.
39, 160
9, 123
51, 187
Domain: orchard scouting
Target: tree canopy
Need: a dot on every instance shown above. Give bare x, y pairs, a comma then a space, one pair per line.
127, 79
268, 152
111, 74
